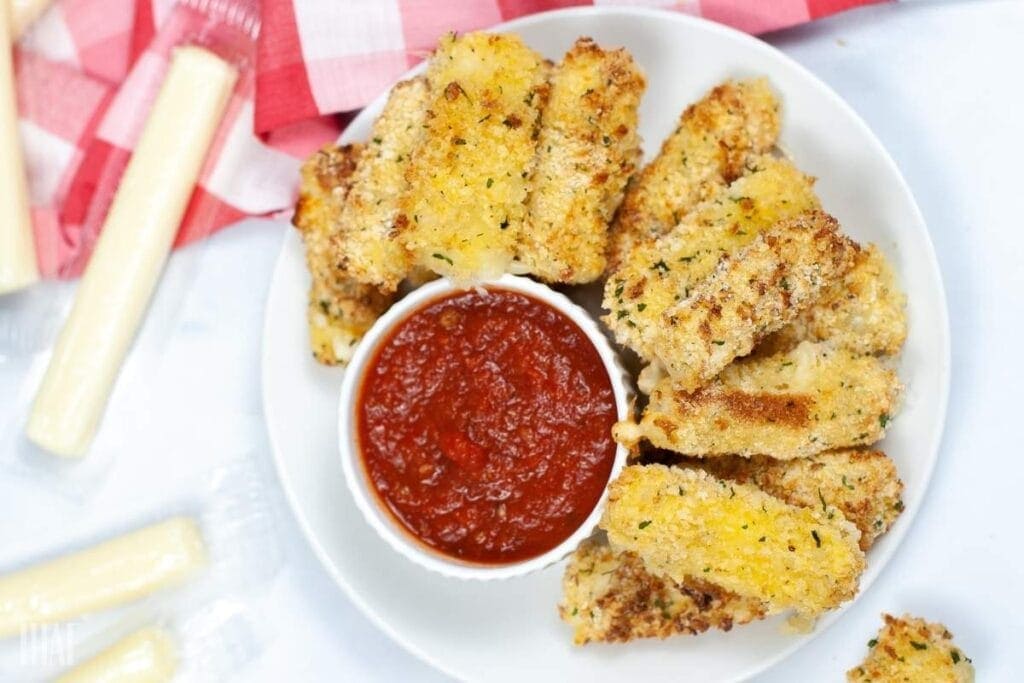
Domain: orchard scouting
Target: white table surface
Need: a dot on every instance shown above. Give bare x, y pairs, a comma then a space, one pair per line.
941, 85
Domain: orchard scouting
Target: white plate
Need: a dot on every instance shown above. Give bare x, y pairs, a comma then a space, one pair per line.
509, 631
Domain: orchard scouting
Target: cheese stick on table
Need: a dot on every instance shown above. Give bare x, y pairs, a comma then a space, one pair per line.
24, 13
106, 575
130, 253
17, 249
146, 656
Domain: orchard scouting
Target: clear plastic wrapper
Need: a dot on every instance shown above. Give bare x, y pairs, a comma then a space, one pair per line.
67, 360
124, 269
30, 321
197, 641
224, 540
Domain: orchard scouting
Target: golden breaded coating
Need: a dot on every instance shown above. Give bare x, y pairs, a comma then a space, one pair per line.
792, 405
863, 312
751, 293
911, 650
340, 309
587, 150
861, 484
712, 146
367, 243
609, 596
687, 524
657, 275
463, 211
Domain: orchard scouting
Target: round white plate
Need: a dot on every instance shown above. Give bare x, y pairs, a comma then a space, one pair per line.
509, 631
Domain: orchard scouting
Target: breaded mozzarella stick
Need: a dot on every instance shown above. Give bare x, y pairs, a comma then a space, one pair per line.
685, 523
464, 208
610, 596
909, 649
814, 398
587, 150
751, 293
864, 312
712, 145
367, 246
340, 309
659, 274
133, 245
861, 484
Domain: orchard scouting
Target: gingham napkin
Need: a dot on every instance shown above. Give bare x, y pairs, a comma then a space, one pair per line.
88, 69
87, 73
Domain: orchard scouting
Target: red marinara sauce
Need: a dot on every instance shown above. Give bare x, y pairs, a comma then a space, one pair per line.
484, 425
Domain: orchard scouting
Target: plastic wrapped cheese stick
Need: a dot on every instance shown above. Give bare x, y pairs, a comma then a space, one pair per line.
131, 251
210, 643
17, 249
228, 536
147, 656
24, 13
106, 575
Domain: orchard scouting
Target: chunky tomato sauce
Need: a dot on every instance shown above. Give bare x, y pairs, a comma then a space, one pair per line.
484, 424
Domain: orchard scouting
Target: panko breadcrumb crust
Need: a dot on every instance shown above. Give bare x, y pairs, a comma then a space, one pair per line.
861, 484
610, 596
340, 308
587, 149
812, 399
912, 650
659, 274
685, 523
863, 312
469, 174
751, 293
711, 146
365, 245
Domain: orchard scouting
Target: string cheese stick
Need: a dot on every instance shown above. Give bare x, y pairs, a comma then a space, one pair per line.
130, 252
24, 13
106, 575
146, 656
17, 250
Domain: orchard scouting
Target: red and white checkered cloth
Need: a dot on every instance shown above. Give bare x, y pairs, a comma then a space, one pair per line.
88, 70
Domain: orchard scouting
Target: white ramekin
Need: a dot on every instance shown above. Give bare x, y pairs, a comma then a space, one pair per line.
366, 499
